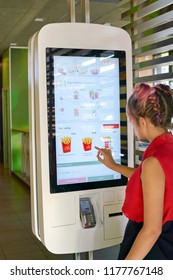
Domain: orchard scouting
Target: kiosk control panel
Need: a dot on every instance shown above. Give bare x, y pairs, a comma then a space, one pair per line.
87, 213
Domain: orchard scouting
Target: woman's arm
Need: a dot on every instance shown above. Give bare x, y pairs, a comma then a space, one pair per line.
153, 184
105, 157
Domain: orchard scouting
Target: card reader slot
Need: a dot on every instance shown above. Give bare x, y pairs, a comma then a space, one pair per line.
115, 214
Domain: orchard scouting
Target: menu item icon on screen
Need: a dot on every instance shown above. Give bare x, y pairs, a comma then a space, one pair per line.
107, 142
66, 144
87, 143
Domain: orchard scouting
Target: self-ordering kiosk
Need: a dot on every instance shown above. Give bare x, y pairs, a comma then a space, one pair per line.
80, 76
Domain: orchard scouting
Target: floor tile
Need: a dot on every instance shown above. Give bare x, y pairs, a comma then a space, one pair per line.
19, 247
27, 256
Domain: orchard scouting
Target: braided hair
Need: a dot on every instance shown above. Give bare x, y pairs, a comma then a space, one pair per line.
154, 103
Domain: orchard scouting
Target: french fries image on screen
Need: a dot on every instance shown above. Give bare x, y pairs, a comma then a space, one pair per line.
66, 144
87, 143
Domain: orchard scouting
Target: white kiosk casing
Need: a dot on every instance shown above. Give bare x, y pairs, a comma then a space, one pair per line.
56, 216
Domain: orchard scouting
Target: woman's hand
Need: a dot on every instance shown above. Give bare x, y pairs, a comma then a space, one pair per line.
105, 157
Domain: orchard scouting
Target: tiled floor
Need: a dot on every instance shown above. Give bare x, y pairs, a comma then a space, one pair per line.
17, 241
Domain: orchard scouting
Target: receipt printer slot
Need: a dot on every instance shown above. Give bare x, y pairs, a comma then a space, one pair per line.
114, 221
115, 214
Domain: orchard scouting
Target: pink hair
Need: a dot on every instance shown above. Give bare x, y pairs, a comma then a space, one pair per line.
155, 103
164, 88
142, 92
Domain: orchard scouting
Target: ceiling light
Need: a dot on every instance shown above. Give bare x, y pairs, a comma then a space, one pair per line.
40, 19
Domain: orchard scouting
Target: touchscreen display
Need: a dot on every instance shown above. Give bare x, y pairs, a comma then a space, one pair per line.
84, 90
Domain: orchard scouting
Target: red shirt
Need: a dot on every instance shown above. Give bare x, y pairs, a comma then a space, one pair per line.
162, 149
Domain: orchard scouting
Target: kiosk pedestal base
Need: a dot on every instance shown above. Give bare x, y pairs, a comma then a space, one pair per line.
78, 256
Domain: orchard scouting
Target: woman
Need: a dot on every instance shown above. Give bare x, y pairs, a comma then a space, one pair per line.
149, 194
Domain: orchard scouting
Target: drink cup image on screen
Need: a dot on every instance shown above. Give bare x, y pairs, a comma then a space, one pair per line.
107, 142
93, 94
66, 144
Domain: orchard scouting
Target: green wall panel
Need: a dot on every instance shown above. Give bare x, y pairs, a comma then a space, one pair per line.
17, 151
5, 69
19, 88
6, 109
19, 103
